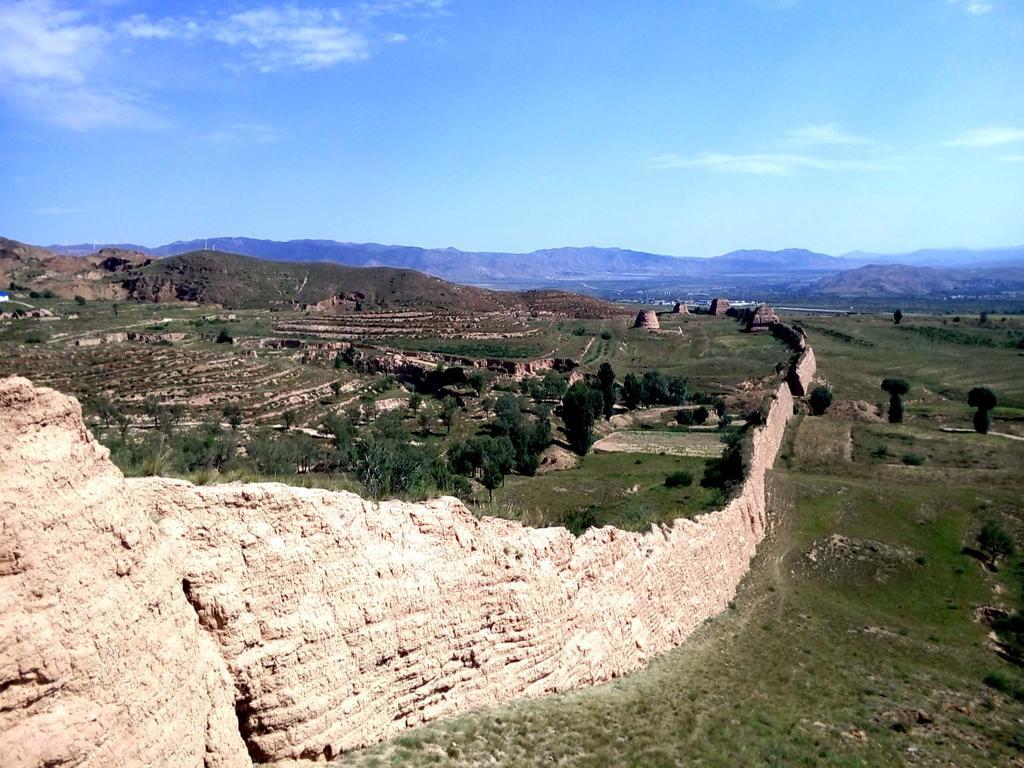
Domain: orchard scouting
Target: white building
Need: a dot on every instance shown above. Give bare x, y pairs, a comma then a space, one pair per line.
4, 296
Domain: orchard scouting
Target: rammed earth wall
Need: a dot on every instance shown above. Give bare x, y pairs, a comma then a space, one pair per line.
143, 619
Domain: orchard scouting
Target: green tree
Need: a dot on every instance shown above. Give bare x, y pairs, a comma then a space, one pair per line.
154, 409
80, 300
984, 399
123, 422
606, 378
581, 406
820, 399
477, 380
289, 417
335, 389
415, 401
449, 407
224, 337
995, 542
897, 316
896, 389
632, 391
233, 413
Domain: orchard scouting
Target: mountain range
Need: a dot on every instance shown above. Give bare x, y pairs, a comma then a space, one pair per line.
557, 265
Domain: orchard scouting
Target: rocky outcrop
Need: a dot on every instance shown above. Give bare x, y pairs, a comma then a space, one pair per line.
647, 319
152, 622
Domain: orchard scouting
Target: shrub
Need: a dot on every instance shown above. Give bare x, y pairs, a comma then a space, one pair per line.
697, 416
995, 541
679, 479
896, 389
606, 335
80, 300
897, 316
224, 337
984, 399
820, 400
913, 459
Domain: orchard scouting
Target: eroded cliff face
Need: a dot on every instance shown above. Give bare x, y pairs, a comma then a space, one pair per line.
151, 622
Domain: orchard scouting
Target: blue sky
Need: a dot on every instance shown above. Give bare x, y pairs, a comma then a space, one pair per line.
686, 127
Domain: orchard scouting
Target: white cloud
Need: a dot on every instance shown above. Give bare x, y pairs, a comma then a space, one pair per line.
291, 37
45, 65
58, 210
43, 42
972, 7
765, 163
1012, 158
139, 26
989, 136
256, 133
825, 133
396, 37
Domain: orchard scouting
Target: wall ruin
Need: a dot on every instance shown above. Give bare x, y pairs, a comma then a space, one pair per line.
152, 622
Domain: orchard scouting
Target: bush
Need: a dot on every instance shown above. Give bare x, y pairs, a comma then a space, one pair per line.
680, 479
80, 300
606, 335
696, 416
224, 337
820, 400
995, 541
913, 459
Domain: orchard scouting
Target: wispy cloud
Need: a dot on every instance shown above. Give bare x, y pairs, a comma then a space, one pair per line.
972, 7
825, 134
291, 37
813, 147
254, 133
766, 163
1012, 158
52, 54
58, 210
989, 136
46, 61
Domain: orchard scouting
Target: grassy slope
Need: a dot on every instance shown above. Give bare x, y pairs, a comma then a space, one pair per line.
817, 656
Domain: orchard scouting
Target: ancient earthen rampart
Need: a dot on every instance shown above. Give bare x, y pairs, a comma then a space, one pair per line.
153, 622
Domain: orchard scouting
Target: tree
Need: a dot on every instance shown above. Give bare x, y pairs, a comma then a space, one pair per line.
820, 400
114, 308
177, 412
897, 316
233, 413
153, 409
335, 389
80, 300
339, 362
224, 337
983, 317
896, 389
632, 391
449, 407
581, 406
289, 418
655, 388
477, 380
606, 377
123, 422
415, 401
423, 418
995, 542
984, 399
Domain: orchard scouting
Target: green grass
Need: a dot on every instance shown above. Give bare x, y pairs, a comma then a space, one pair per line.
605, 482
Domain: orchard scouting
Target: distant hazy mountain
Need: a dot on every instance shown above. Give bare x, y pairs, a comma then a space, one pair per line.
945, 257
903, 280
542, 267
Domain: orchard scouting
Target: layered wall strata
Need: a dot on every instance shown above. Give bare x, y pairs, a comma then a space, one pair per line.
152, 622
